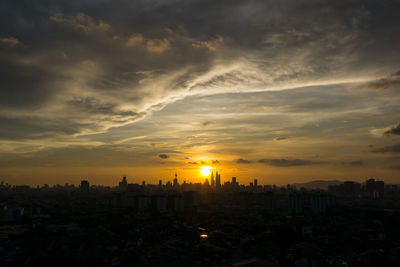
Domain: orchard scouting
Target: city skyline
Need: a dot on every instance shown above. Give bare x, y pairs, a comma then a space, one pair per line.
213, 180
285, 91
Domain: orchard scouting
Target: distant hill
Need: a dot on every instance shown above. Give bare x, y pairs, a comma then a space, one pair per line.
318, 184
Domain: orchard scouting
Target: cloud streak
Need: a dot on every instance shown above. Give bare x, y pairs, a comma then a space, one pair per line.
289, 162
388, 149
80, 21
243, 161
393, 131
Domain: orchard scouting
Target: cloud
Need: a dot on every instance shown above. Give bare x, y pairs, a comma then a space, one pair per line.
390, 82
80, 21
206, 123
36, 128
211, 45
279, 138
215, 162
156, 46
393, 131
289, 162
163, 156
107, 82
243, 161
12, 41
135, 40
356, 163
192, 162
96, 106
388, 149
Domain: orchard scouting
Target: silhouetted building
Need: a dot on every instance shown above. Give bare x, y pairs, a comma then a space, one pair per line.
234, 181
123, 184
217, 179
351, 189
85, 186
374, 189
175, 181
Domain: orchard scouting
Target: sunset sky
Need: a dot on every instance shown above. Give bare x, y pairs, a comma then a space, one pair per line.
283, 91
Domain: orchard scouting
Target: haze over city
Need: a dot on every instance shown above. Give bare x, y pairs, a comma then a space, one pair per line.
282, 91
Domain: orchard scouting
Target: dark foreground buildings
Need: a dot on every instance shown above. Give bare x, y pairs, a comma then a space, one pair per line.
210, 224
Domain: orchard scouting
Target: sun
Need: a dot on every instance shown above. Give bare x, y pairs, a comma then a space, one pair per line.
205, 171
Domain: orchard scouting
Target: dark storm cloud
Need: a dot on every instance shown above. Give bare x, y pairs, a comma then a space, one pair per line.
163, 156
394, 131
289, 162
108, 63
243, 161
388, 149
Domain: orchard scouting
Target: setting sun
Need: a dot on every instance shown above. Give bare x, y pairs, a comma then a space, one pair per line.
205, 171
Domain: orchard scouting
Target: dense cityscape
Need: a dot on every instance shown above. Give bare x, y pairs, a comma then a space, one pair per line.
201, 224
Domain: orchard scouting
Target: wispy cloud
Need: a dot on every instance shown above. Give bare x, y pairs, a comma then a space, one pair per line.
243, 161
289, 162
12, 41
80, 21
388, 149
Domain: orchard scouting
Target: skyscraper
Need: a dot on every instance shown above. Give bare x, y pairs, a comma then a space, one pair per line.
85, 186
175, 183
217, 179
123, 184
233, 180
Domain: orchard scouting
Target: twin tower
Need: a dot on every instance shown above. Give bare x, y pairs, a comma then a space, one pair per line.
217, 181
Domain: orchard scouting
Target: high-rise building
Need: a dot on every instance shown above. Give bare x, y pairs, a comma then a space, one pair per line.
123, 184
212, 180
175, 182
375, 189
85, 186
255, 182
234, 181
351, 189
218, 179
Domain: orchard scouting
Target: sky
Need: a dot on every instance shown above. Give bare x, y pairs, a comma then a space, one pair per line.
282, 91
